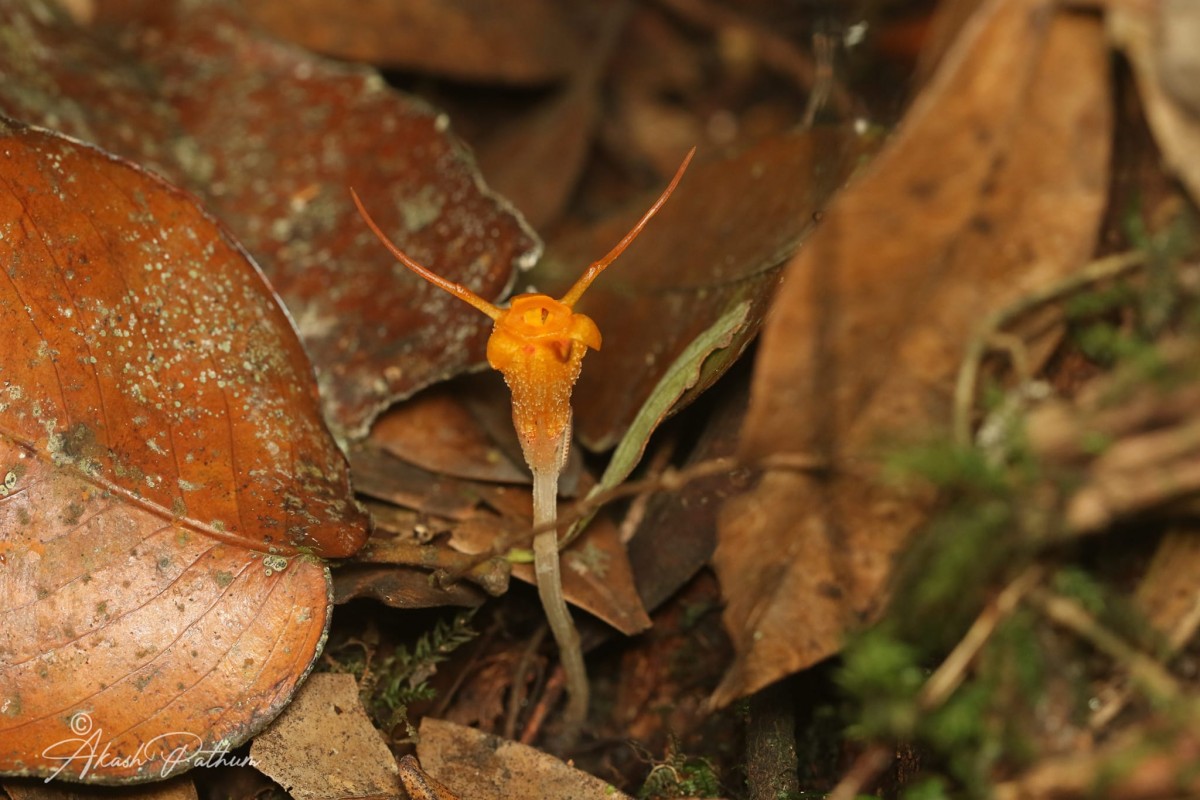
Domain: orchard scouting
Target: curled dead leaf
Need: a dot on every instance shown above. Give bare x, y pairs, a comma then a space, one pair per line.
993, 185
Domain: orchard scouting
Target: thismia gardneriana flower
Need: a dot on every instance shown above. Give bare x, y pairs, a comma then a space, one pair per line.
538, 344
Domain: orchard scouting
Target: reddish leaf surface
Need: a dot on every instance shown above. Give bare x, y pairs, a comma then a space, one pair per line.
436, 431
165, 465
596, 571
537, 160
55, 75
873, 320
272, 137
375, 331
721, 238
520, 41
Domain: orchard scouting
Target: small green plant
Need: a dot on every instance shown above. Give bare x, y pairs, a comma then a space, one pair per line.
391, 684
933, 788
976, 542
680, 776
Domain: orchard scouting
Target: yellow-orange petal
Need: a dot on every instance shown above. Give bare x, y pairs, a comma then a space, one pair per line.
538, 345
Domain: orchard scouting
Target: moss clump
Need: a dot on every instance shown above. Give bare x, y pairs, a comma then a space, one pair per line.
680, 776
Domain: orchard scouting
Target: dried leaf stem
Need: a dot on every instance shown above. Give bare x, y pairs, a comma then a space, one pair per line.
1100, 270
1150, 675
668, 480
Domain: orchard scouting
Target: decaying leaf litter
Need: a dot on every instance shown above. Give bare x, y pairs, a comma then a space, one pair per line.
982, 262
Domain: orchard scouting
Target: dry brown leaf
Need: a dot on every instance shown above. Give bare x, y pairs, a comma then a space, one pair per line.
375, 332
721, 239
992, 185
168, 477
402, 587
1169, 600
480, 766
597, 577
324, 747
596, 574
1146, 466
1167, 594
420, 785
482, 700
537, 160
1150, 761
520, 41
679, 532
436, 431
1149, 430
383, 476
404, 537
56, 76
656, 64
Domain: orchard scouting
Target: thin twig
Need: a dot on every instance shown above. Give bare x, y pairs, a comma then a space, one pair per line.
516, 697
669, 480
1103, 269
1146, 672
949, 675
658, 462
550, 694
944, 681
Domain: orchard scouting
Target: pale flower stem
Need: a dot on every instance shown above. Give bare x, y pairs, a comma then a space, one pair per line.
549, 585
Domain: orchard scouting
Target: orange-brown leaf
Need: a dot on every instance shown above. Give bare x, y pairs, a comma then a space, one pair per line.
165, 465
270, 137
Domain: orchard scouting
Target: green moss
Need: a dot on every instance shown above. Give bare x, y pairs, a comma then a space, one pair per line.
1099, 302
388, 685
997, 513
680, 776
931, 788
882, 674
946, 466
1111, 609
1078, 583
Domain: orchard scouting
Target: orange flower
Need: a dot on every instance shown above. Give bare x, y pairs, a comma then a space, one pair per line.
538, 344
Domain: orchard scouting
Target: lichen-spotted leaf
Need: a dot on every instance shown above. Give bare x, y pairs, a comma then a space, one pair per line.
166, 480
